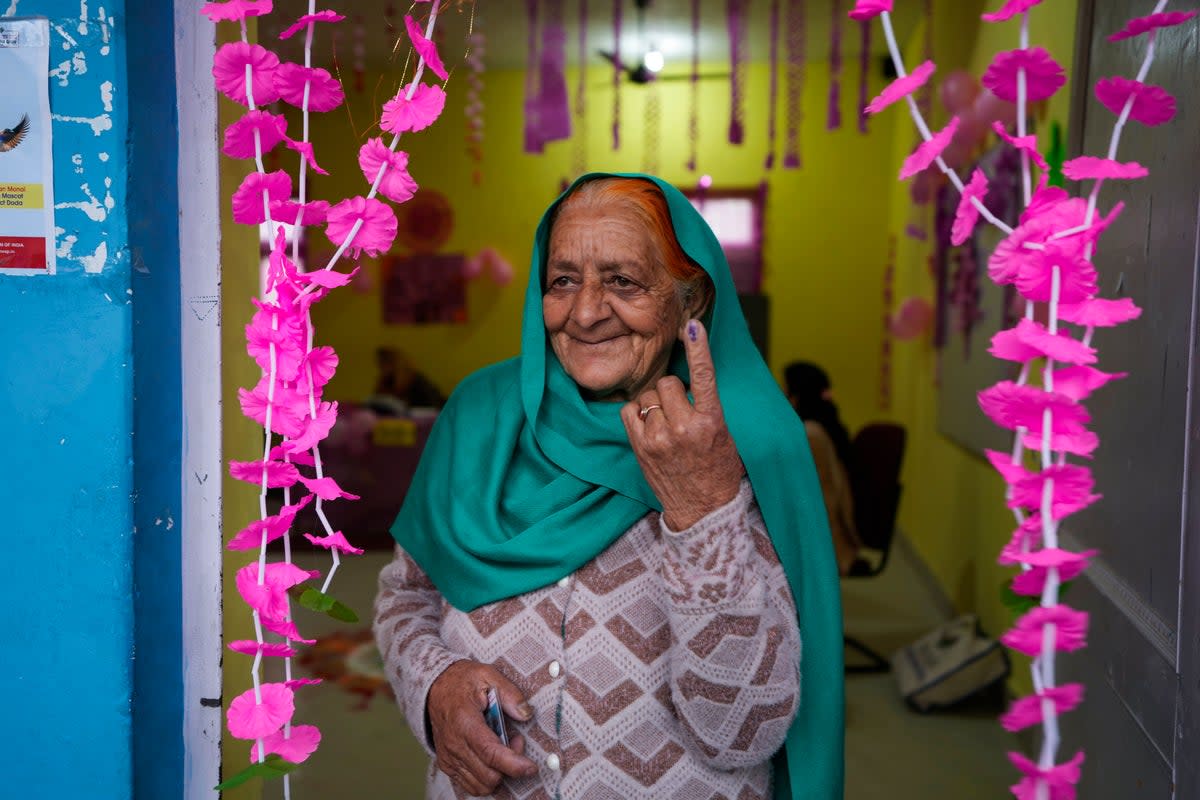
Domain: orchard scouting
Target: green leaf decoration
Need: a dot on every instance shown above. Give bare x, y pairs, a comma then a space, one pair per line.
271, 767
1020, 604
1056, 155
319, 601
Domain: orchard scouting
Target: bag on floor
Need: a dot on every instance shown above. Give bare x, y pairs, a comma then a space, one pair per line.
949, 664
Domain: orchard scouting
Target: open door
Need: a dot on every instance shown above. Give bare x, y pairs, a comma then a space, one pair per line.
1139, 719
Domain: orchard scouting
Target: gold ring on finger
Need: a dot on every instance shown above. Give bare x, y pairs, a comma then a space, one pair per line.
645, 412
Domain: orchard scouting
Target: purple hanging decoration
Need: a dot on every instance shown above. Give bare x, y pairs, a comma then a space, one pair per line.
864, 73
833, 119
553, 96
694, 92
796, 19
616, 109
773, 99
533, 139
735, 17
925, 93
580, 158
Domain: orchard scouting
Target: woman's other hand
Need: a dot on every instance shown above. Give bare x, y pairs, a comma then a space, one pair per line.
685, 450
467, 750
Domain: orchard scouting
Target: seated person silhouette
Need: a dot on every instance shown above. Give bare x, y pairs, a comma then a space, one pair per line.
810, 393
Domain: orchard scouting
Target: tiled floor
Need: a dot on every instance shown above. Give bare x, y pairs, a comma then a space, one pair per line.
367, 751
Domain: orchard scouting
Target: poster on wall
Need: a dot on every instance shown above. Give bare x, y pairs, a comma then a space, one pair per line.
26, 168
424, 288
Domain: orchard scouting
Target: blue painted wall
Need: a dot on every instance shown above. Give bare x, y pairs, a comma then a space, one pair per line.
67, 395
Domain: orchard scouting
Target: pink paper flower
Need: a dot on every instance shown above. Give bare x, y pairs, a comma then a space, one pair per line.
401, 114
285, 628
967, 215
248, 205
1009, 10
1004, 465
378, 230
1077, 443
324, 92
239, 136
287, 211
297, 683
1027, 536
1013, 406
1029, 340
274, 649
298, 746
1037, 227
1139, 25
229, 72
1070, 630
1070, 493
236, 10
1043, 75
1099, 313
306, 149
1060, 780
901, 87
287, 412
334, 541
1068, 565
1078, 383
928, 151
321, 16
1091, 167
305, 459
329, 278
868, 9
396, 185
426, 49
1076, 274
276, 525
323, 362
1027, 143
1152, 105
287, 334
278, 473
315, 429
252, 720
326, 488
1028, 710
270, 598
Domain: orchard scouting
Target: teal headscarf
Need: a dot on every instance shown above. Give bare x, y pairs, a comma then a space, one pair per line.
523, 481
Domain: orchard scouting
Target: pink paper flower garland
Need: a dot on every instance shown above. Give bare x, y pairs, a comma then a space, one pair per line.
287, 401
1048, 259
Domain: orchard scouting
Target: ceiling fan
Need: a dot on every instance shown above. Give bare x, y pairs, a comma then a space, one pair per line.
648, 67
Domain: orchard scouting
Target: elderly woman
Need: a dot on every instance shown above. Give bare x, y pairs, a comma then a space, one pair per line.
631, 568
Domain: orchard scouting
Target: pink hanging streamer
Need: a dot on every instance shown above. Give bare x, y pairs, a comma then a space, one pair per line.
796, 19
833, 117
616, 78
735, 17
533, 141
773, 98
864, 73
580, 110
694, 91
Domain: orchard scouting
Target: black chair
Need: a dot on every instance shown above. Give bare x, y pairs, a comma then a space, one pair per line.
875, 483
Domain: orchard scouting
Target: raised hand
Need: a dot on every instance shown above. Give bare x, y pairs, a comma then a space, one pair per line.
467, 750
685, 450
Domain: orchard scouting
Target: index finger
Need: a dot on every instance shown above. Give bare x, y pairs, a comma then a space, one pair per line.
700, 366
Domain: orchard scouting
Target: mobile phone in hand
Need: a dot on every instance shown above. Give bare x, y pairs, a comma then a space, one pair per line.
495, 716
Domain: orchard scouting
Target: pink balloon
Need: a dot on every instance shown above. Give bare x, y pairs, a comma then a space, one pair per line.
911, 319
990, 108
959, 90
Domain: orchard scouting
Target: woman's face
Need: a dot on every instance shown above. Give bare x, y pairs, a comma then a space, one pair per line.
611, 312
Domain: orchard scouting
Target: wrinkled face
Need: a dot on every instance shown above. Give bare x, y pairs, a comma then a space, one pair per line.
612, 314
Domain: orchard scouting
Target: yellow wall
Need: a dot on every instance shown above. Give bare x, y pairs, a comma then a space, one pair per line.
953, 507
822, 267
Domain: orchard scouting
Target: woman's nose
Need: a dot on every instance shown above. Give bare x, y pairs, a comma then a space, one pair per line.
591, 304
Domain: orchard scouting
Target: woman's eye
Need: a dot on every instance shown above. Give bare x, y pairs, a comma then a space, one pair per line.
621, 282
560, 281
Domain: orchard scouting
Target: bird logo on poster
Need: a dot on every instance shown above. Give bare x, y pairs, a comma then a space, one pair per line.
11, 137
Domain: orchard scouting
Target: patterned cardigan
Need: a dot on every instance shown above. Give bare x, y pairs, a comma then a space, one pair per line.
668, 667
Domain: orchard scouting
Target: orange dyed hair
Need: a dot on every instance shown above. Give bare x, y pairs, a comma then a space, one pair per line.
647, 202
